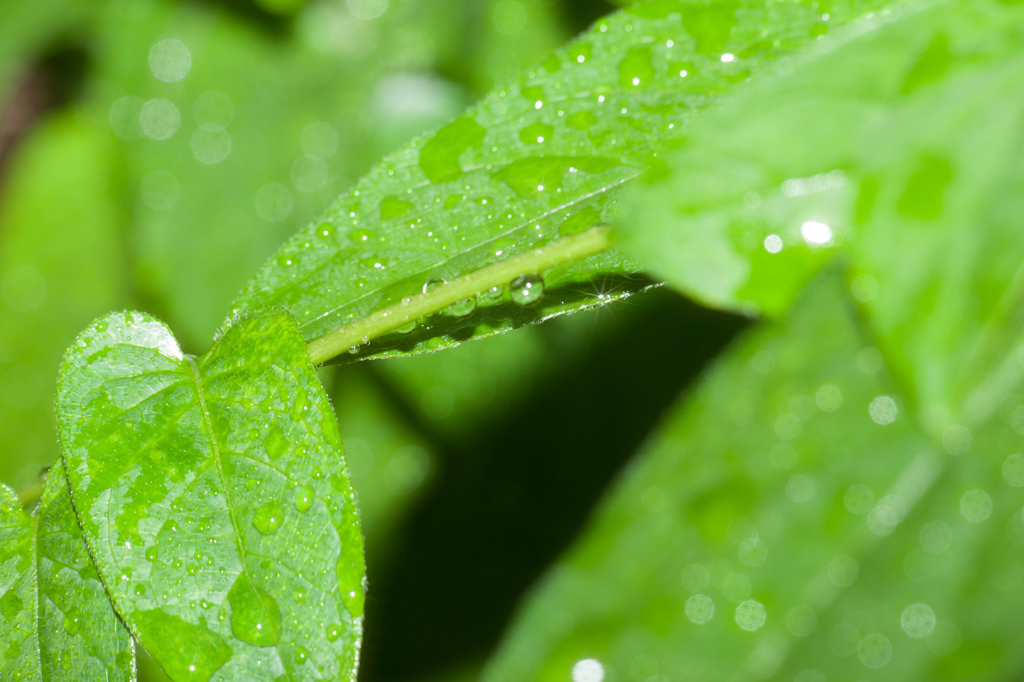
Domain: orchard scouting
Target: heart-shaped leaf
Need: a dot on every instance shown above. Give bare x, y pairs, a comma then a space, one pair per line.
215, 498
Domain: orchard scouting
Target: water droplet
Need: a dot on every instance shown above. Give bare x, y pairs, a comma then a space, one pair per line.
140, 590
750, 615
773, 243
700, 608
431, 285
255, 616
301, 655
875, 650
151, 553
333, 632
918, 620
491, 296
303, 499
325, 231
883, 410
527, 289
407, 327
976, 505
461, 308
268, 518
361, 236
636, 68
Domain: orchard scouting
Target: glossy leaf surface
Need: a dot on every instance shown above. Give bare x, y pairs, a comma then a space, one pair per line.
791, 522
57, 623
542, 158
913, 149
215, 497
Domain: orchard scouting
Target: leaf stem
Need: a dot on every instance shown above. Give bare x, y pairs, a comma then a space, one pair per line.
412, 308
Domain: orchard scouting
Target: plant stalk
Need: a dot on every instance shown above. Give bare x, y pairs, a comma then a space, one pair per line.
412, 308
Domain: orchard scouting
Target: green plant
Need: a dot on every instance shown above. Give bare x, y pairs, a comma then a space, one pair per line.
842, 491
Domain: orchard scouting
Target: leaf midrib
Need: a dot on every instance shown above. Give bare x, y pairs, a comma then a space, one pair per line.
215, 447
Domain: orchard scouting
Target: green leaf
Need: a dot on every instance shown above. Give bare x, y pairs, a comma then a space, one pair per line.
532, 163
57, 621
937, 262
766, 191
724, 223
791, 522
215, 498
60, 267
29, 29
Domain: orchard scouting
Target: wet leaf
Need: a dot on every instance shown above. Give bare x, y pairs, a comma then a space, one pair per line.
767, 190
57, 621
790, 521
543, 158
233, 549
937, 263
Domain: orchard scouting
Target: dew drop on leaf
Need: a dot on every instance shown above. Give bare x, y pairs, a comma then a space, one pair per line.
303, 499
255, 616
268, 518
361, 236
461, 308
527, 289
491, 296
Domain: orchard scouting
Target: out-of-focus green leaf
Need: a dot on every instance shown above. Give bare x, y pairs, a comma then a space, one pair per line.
235, 550
937, 263
27, 30
725, 222
60, 266
790, 522
233, 134
390, 463
540, 159
915, 148
57, 623
460, 392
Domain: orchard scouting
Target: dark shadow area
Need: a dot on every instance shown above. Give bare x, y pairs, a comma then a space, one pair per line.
504, 316
56, 79
580, 14
509, 499
248, 10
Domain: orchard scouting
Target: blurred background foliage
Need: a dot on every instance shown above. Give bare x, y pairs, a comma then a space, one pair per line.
153, 154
